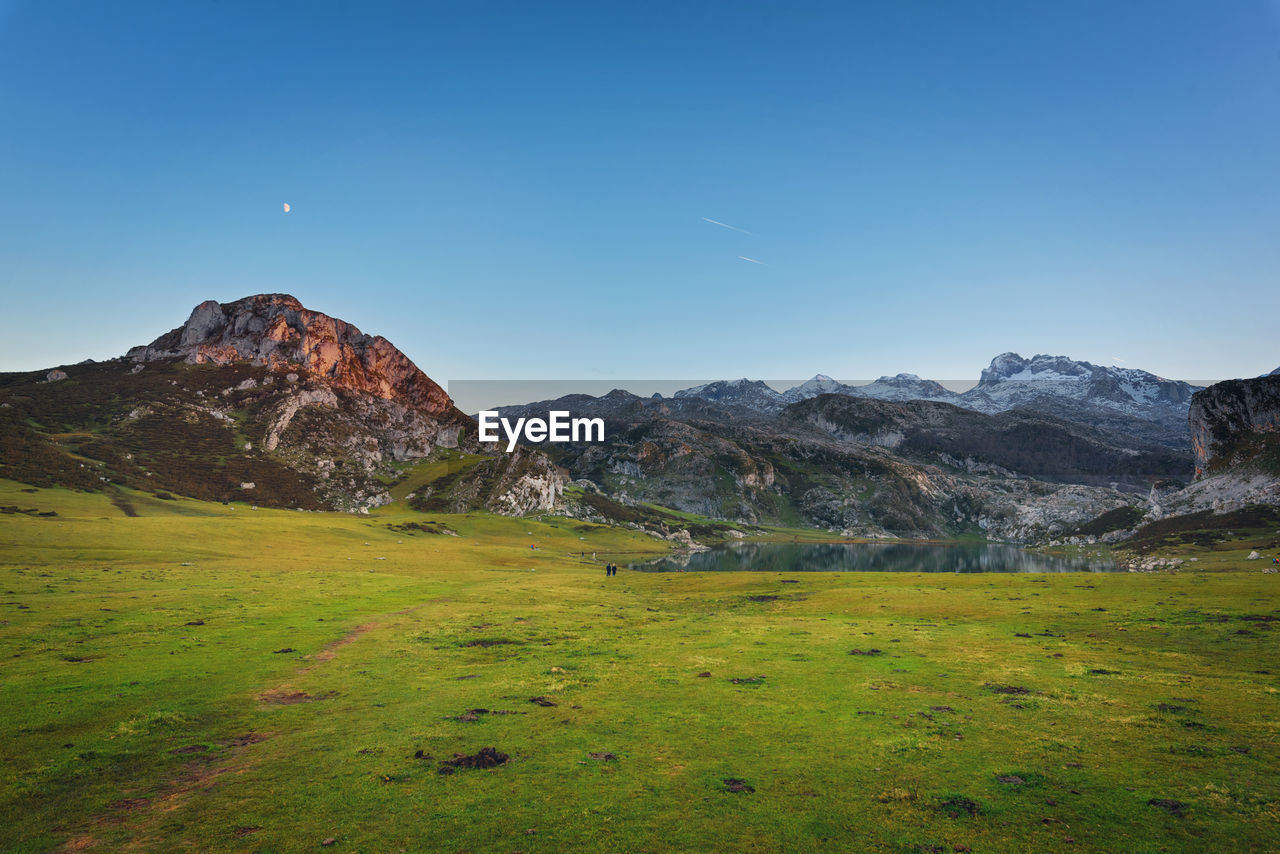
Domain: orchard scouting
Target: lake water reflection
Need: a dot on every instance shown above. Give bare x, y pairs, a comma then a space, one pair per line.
872, 557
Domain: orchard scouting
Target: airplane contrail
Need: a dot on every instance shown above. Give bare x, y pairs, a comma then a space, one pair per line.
726, 225
753, 261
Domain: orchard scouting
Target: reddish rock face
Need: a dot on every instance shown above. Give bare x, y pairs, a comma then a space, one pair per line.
276, 330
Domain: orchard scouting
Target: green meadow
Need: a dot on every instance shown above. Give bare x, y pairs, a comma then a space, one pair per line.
199, 676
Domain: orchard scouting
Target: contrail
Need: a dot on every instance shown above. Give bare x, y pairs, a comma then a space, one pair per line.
753, 261
726, 225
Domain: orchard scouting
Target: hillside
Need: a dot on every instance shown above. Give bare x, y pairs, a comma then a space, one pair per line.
260, 400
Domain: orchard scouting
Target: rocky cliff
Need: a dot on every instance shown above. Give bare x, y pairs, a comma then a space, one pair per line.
1236, 424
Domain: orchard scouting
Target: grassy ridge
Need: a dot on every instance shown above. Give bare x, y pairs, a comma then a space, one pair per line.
152, 704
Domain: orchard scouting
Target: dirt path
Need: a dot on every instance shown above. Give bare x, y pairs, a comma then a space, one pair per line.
205, 770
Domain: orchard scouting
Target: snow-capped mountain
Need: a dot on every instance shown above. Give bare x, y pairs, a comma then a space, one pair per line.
750, 394
899, 387
1118, 399
906, 387
1011, 381
820, 384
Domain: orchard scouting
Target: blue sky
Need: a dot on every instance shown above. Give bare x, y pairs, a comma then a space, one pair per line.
518, 190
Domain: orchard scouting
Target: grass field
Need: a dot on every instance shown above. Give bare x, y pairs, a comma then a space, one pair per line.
203, 676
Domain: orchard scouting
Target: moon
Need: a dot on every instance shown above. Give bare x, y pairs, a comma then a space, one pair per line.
286, 207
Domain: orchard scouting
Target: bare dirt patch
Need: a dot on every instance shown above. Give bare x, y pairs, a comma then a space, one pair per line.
485, 643
1169, 805
285, 697
487, 757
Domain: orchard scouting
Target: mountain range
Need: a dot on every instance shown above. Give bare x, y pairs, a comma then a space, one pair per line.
1123, 399
266, 401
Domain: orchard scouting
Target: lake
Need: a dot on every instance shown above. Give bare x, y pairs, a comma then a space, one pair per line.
872, 557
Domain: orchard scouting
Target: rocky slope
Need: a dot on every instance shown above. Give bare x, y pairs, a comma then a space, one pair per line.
259, 400
1235, 433
1018, 441
859, 466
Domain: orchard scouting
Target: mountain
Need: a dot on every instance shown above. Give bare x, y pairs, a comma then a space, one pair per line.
748, 394
275, 331
899, 387
858, 465
1235, 435
1124, 399
1011, 381
906, 387
1236, 424
1019, 441
261, 400
820, 384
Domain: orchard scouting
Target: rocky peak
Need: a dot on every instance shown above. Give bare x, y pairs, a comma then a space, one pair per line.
904, 387
752, 394
1011, 366
820, 384
278, 331
1012, 381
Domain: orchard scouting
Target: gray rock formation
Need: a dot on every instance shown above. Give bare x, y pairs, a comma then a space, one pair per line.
1234, 423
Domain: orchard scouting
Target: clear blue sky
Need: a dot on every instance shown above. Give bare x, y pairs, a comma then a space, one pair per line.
517, 190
